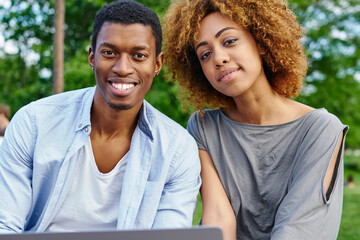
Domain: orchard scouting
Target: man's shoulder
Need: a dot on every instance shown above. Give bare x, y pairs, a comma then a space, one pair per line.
60, 106
160, 122
63, 103
64, 98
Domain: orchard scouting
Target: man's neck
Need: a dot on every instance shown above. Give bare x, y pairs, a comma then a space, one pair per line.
111, 134
110, 123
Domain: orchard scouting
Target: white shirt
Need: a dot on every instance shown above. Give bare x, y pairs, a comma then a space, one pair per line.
93, 195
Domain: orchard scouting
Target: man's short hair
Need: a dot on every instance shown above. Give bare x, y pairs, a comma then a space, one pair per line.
128, 12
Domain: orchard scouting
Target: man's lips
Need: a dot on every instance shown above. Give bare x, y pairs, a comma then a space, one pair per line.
122, 85
226, 72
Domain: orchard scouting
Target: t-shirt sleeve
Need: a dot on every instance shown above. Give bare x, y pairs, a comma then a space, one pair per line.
195, 128
307, 212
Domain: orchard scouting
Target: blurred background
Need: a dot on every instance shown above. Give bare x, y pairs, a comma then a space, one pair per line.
332, 42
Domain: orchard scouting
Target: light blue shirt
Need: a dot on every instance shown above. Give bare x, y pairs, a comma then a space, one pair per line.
38, 163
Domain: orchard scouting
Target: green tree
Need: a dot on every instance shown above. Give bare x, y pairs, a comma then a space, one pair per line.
19, 84
332, 42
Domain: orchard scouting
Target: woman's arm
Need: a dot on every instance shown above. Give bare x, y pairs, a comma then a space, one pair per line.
217, 209
312, 206
332, 169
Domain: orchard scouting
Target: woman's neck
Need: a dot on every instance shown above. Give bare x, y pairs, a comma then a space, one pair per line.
266, 107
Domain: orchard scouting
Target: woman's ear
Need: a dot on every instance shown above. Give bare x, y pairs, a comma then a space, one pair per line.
261, 49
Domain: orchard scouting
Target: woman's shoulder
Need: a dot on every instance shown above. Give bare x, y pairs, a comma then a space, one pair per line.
321, 116
313, 116
203, 121
205, 115
320, 127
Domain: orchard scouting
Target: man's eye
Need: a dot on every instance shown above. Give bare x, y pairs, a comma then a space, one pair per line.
108, 52
140, 55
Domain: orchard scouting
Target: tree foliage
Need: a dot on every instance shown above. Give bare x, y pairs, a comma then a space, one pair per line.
331, 41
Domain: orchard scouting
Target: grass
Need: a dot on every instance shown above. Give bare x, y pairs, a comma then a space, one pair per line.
198, 211
350, 221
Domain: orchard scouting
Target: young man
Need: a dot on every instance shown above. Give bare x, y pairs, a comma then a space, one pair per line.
101, 157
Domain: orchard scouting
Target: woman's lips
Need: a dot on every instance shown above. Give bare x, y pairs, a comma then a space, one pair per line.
227, 74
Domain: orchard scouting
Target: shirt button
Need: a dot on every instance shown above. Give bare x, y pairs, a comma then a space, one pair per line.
79, 126
86, 129
68, 150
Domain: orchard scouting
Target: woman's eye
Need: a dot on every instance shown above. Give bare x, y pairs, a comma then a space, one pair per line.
230, 41
205, 55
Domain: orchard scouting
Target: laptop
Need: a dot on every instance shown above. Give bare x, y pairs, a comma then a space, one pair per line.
195, 233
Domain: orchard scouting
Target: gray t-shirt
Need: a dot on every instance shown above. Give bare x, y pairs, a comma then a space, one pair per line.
274, 175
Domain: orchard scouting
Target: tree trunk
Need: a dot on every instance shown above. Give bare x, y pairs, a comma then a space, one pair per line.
58, 74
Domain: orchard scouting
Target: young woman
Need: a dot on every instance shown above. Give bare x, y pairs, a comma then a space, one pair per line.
271, 166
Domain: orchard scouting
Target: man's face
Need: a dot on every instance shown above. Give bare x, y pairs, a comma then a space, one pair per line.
125, 64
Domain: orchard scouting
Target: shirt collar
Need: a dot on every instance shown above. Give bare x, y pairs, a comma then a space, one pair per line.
84, 114
144, 124
84, 120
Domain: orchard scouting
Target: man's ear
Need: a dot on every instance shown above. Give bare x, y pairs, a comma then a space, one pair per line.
159, 63
91, 57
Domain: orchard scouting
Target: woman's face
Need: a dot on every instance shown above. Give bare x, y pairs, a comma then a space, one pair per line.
229, 56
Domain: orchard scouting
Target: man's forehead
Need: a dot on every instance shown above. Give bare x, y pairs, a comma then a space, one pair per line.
119, 33
133, 29
126, 25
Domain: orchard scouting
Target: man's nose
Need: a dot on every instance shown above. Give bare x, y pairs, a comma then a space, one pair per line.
123, 65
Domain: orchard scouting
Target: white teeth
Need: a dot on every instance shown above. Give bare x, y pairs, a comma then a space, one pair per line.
123, 86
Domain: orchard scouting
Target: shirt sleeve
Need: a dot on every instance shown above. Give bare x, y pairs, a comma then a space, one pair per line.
179, 197
306, 212
194, 127
16, 173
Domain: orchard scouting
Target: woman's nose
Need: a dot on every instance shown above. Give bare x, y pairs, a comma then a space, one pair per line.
221, 58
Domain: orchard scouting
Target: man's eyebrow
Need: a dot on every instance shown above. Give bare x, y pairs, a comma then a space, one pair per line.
136, 48
107, 44
217, 35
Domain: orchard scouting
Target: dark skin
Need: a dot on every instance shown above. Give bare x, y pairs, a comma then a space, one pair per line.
111, 139
124, 63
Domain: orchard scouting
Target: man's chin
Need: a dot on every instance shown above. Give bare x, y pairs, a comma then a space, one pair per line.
119, 107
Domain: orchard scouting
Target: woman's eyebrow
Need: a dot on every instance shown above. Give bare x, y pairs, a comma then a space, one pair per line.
222, 30
217, 35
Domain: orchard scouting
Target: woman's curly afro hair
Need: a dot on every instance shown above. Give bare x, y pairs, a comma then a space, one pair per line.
273, 26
